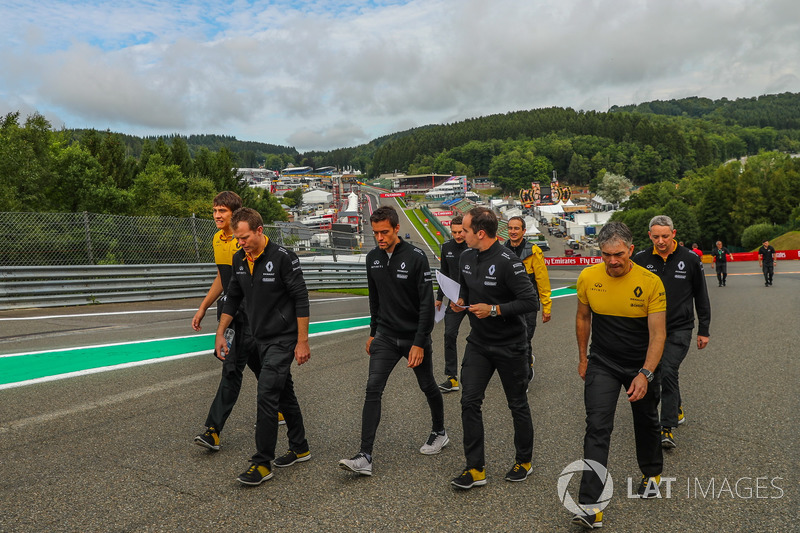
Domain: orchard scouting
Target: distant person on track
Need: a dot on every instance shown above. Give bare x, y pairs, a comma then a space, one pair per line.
533, 259
451, 254
623, 307
497, 292
267, 278
402, 313
697, 250
766, 260
243, 350
720, 256
681, 272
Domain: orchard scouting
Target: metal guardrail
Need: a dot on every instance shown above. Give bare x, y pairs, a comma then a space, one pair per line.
23, 287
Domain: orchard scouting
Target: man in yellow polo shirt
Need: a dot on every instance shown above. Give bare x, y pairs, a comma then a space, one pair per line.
623, 306
243, 349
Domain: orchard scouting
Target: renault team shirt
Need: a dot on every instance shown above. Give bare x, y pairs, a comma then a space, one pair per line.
619, 311
224, 248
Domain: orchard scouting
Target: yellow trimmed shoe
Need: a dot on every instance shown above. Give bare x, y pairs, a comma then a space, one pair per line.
290, 458
649, 487
681, 416
209, 439
592, 521
449, 385
255, 475
470, 478
281, 420
519, 472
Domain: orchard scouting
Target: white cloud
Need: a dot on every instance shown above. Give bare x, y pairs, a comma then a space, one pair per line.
326, 74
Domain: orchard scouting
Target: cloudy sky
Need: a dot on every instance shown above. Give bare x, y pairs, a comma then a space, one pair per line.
327, 73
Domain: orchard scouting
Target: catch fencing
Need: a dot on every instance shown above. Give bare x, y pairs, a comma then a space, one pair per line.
51, 239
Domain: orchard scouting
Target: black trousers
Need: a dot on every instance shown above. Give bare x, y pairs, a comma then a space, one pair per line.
675, 349
243, 352
722, 272
452, 322
478, 367
600, 395
769, 271
385, 352
276, 392
530, 329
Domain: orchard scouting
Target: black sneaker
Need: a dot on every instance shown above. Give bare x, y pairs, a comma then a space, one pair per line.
449, 385
667, 440
290, 458
592, 521
648, 487
255, 475
519, 472
470, 478
209, 439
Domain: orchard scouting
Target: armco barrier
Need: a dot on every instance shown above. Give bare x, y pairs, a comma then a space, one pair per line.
22, 287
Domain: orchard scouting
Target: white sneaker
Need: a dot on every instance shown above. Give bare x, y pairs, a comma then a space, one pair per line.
359, 464
435, 443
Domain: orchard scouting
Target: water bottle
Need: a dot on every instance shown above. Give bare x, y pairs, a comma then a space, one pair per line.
229, 334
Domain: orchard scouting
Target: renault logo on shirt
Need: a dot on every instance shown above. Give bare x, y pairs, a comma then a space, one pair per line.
269, 266
491, 270
403, 265
637, 292
681, 265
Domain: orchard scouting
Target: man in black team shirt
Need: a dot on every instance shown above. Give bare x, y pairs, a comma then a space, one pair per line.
497, 292
685, 284
451, 253
720, 255
766, 260
268, 279
402, 309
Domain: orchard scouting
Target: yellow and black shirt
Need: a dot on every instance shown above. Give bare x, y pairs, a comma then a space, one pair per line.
224, 248
619, 311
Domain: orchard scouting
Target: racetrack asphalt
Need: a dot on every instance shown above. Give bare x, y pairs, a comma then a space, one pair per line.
113, 451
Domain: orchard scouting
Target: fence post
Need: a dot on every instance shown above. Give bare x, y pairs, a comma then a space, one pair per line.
332, 245
89, 251
194, 236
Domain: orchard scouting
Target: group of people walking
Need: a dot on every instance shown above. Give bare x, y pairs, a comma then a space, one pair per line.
638, 311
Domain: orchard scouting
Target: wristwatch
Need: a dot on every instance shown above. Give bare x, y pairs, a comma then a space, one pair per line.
646, 373
493, 311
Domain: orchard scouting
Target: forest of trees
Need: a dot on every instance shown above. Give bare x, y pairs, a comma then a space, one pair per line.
42, 170
678, 147
722, 202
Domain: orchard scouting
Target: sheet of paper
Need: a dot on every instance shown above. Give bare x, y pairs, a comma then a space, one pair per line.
449, 287
438, 315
